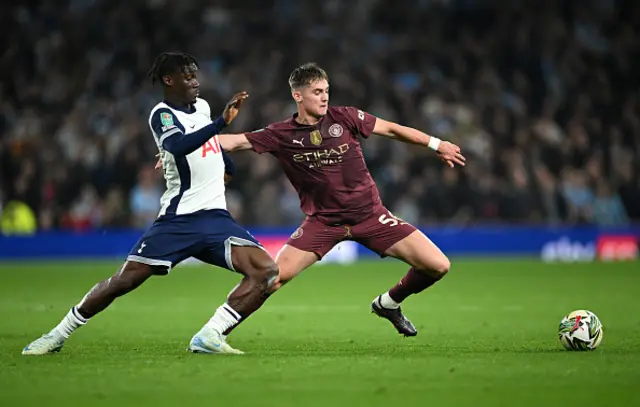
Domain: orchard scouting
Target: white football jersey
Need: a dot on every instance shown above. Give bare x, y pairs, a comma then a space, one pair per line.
196, 181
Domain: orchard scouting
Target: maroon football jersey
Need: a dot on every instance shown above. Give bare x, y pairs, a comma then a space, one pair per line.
324, 163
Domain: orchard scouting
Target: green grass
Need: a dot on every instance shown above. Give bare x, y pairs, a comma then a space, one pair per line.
487, 337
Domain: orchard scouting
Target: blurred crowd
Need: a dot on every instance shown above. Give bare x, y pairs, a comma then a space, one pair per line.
543, 96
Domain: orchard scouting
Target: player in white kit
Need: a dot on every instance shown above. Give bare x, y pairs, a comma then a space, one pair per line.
193, 220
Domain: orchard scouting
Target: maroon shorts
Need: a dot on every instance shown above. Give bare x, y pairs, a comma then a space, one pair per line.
378, 232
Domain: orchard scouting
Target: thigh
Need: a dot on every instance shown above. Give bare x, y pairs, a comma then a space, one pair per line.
315, 237
249, 258
420, 252
292, 261
220, 234
165, 244
381, 231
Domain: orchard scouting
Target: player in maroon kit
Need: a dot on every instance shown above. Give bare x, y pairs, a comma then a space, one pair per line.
319, 150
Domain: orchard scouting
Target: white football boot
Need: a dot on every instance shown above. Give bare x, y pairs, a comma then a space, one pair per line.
209, 341
47, 343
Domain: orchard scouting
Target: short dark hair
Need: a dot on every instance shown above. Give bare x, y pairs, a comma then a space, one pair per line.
169, 63
306, 74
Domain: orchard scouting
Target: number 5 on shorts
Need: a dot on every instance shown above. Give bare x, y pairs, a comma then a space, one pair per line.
390, 220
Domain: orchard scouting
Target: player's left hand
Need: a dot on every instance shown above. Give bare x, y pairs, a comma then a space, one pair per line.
158, 165
450, 154
232, 108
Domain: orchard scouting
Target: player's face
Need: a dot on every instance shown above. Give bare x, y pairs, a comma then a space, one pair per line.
185, 85
314, 98
190, 86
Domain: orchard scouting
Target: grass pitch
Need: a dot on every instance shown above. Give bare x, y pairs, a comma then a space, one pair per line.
487, 337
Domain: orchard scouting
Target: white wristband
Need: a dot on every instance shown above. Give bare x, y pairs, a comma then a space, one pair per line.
434, 143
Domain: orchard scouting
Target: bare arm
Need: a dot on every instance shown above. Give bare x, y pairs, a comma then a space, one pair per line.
234, 142
448, 152
228, 142
402, 133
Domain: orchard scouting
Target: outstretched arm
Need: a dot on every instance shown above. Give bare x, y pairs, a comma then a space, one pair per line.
448, 152
234, 142
178, 143
261, 141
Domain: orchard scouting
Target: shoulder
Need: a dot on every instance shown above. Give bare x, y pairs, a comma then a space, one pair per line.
345, 115
337, 109
349, 113
355, 119
163, 118
159, 108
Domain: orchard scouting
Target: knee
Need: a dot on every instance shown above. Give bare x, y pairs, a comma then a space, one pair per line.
438, 267
442, 266
267, 274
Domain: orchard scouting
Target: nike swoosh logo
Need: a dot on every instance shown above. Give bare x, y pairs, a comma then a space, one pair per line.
192, 126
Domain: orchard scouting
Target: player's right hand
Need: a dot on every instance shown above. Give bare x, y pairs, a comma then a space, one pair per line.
231, 110
450, 154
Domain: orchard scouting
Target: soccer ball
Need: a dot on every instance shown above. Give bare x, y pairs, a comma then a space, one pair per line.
580, 330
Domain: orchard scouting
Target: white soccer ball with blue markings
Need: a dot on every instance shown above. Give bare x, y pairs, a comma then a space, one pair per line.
580, 330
